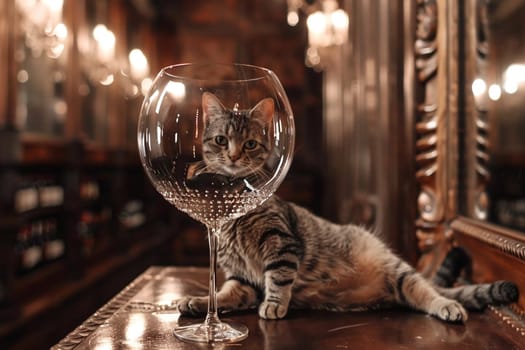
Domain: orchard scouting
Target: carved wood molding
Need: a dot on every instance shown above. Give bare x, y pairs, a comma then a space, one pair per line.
73, 339
486, 233
436, 111
511, 316
450, 48
429, 203
498, 253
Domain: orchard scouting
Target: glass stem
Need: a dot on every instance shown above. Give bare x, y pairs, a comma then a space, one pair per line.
212, 318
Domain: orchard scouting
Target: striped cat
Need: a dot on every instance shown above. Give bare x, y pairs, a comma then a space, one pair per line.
281, 256
235, 143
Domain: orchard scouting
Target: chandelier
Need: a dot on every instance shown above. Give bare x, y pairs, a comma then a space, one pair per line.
41, 23
97, 49
137, 74
44, 34
102, 64
327, 28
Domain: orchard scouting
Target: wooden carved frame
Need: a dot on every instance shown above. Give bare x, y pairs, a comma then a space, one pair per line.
435, 127
451, 150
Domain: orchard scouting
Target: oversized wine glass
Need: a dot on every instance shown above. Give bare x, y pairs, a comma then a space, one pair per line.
216, 140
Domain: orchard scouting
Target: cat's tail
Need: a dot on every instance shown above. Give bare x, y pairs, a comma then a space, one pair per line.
479, 296
472, 296
456, 261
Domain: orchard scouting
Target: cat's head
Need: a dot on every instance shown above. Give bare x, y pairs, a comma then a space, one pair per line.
236, 142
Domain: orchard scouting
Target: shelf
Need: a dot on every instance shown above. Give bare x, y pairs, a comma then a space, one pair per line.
58, 293
41, 212
43, 150
44, 276
75, 280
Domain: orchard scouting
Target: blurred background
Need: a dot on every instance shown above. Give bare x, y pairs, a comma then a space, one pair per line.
78, 217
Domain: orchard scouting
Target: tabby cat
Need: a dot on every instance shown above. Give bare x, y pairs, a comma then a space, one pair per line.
281, 256
235, 143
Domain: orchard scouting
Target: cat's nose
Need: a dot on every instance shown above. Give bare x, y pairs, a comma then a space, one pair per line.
234, 157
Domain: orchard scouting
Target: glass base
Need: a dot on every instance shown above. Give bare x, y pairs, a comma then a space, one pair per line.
220, 332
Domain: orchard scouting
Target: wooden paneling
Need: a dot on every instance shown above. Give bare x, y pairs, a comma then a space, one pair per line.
98, 243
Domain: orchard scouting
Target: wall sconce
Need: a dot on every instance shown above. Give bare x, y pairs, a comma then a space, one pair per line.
41, 23
327, 28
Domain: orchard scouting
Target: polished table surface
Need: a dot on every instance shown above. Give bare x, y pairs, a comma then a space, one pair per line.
136, 319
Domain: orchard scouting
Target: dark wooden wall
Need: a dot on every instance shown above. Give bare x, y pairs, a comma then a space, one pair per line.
253, 32
40, 305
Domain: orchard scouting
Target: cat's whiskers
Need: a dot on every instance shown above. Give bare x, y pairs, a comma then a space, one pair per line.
257, 174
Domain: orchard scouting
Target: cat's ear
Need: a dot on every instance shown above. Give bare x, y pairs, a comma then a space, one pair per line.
211, 107
264, 110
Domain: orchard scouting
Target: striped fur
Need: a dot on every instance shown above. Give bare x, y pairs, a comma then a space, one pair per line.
235, 142
456, 261
281, 256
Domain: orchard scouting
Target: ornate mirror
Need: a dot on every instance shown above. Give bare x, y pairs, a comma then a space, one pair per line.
470, 146
495, 179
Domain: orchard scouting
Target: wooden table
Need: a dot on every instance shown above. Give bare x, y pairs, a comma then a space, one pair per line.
133, 319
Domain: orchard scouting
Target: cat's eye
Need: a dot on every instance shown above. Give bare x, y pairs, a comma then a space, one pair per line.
250, 144
221, 140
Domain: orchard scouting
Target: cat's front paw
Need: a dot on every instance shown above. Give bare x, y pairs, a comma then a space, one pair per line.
449, 310
272, 310
192, 306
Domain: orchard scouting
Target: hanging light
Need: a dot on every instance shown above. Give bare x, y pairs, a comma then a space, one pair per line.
293, 12
327, 28
41, 23
139, 67
138, 73
98, 54
514, 77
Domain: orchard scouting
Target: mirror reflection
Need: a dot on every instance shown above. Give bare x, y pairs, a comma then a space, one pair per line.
41, 56
499, 93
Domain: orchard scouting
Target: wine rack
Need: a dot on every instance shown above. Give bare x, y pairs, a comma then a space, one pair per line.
71, 217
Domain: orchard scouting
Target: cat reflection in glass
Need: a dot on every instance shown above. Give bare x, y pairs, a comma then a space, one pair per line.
281, 256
